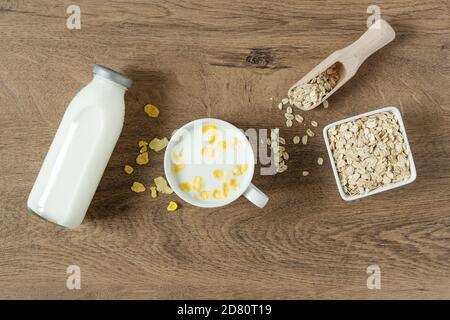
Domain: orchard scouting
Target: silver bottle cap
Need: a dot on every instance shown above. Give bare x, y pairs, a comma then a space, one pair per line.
112, 75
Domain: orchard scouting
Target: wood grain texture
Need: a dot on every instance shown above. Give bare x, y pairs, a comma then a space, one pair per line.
225, 59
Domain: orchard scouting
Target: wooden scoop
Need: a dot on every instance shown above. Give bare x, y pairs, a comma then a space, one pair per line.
348, 60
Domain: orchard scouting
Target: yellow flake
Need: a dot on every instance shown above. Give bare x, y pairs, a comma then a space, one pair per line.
158, 144
234, 183
143, 149
177, 168
186, 186
223, 144
137, 187
161, 185
142, 143
198, 183
153, 192
209, 127
209, 151
218, 173
151, 110
217, 194
205, 194
176, 158
128, 169
212, 139
240, 169
142, 158
172, 206
226, 190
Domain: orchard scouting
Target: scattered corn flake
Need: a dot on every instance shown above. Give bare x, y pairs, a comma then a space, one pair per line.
217, 194
209, 127
226, 190
142, 158
161, 185
186, 186
143, 149
128, 169
178, 168
198, 183
176, 158
205, 194
158, 144
172, 206
234, 183
142, 143
151, 110
153, 192
218, 173
137, 187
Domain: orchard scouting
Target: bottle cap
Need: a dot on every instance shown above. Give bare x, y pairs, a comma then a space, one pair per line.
112, 75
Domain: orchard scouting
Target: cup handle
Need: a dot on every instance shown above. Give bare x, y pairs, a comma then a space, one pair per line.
256, 196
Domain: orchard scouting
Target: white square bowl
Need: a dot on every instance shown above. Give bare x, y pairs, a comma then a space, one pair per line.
412, 167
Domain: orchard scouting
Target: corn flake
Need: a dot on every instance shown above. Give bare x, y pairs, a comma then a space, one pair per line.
153, 192
151, 110
158, 144
128, 169
172, 206
161, 185
142, 158
137, 187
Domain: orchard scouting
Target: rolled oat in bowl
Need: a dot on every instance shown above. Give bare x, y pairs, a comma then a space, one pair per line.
370, 153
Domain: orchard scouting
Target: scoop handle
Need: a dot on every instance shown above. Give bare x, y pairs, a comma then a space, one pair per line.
377, 36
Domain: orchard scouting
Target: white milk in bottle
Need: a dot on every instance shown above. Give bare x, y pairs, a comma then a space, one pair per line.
80, 150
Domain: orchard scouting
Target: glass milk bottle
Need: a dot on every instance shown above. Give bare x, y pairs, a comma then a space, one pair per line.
80, 150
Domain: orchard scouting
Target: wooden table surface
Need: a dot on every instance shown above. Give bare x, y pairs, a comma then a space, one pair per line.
232, 60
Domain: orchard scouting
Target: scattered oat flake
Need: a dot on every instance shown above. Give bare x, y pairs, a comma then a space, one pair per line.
142, 158
319, 161
172, 206
280, 106
296, 139
151, 110
310, 133
137, 187
128, 169
325, 104
305, 173
288, 123
314, 123
284, 101
298, 118
305, 139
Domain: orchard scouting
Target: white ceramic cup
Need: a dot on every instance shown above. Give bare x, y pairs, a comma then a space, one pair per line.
247, 189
